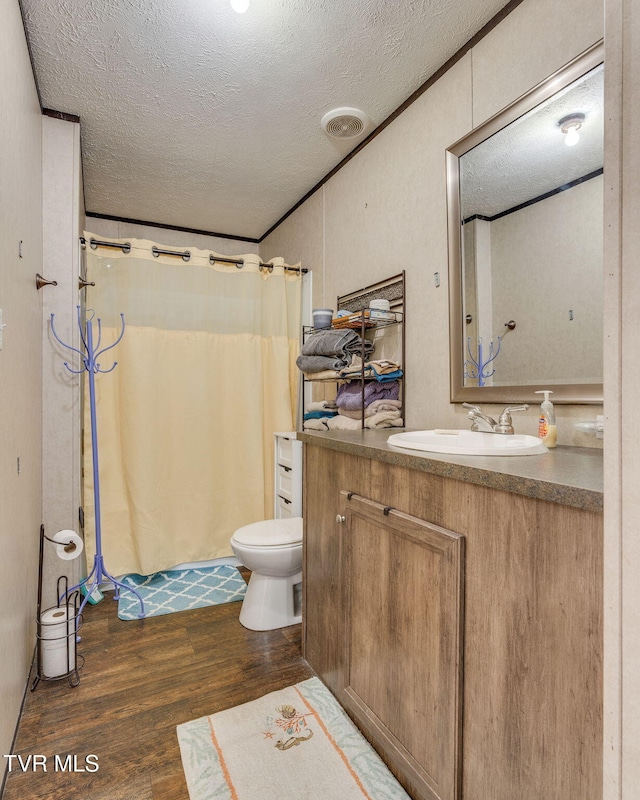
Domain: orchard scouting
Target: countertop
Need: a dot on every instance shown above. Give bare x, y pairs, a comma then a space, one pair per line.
571, 476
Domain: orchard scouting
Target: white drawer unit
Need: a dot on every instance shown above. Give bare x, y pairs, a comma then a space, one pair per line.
284, 508
287, 476
285, 482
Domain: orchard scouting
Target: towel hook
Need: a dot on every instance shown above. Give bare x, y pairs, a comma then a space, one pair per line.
40, 281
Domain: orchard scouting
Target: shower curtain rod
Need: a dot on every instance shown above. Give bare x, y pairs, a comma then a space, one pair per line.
185, 255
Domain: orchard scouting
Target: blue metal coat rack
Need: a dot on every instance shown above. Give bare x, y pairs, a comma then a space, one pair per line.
476, 368
90, 365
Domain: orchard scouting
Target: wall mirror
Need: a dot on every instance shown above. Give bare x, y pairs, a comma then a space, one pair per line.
525, 194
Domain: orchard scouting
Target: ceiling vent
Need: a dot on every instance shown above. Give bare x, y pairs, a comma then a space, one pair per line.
345, 123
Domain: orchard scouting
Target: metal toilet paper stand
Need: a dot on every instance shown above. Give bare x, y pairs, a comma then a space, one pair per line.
91, 366
71, 625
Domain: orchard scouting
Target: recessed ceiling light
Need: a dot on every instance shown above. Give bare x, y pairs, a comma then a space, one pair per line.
240, 6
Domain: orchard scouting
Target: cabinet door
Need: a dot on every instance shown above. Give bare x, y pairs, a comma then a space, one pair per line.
404, 598
323, 567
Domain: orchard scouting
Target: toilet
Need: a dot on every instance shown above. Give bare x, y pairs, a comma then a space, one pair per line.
272, 550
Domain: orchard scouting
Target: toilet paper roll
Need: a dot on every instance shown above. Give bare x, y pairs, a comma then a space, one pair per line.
70, 545
57, 632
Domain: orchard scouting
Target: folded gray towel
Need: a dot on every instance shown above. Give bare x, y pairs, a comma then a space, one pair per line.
320, 363
335, 342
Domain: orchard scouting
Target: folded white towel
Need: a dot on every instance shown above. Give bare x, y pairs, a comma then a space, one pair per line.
325, 375
316, 424
384, 365
373, 408
321, 405
371, 368
341, 423
385, 419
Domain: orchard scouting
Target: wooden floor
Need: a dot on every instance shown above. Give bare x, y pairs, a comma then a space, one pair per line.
141, 679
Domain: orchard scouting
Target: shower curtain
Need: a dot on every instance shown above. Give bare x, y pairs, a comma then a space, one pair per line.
205, 375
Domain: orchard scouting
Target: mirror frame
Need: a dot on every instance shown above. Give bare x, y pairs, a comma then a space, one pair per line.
587, 393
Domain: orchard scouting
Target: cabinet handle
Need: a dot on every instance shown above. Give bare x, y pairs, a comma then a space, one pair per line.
340, 519
284, 499
286, 469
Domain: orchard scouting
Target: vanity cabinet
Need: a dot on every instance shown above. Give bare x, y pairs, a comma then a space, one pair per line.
459, 625
403, 638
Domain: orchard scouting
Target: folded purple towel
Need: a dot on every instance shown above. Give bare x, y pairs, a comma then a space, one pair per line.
349, 395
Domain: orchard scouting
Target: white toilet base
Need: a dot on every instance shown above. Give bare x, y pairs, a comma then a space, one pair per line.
272, 603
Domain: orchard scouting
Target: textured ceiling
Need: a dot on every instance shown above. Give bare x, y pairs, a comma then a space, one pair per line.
195, 116
529, 157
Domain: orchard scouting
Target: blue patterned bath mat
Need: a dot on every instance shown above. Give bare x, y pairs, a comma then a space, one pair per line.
293, 744
181, 590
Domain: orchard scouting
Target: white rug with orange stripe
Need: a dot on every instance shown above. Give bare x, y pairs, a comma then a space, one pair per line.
294, 744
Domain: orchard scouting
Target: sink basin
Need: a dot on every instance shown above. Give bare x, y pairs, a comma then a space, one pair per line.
469, 443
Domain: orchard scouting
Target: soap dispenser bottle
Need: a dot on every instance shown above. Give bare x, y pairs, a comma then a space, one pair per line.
547, 421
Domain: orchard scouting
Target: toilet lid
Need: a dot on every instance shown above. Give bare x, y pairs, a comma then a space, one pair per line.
270, 533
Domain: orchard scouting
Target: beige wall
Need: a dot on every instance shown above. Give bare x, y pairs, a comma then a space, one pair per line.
385, 210
537, 280
20, 369
63, 218
622, 389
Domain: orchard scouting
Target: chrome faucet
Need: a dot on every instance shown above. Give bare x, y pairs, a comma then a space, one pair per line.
482, 422
479, 420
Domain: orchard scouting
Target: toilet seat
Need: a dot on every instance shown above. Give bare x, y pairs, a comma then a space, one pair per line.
270, 533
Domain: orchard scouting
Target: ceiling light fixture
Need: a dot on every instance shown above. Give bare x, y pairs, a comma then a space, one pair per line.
570, 125
239, 6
